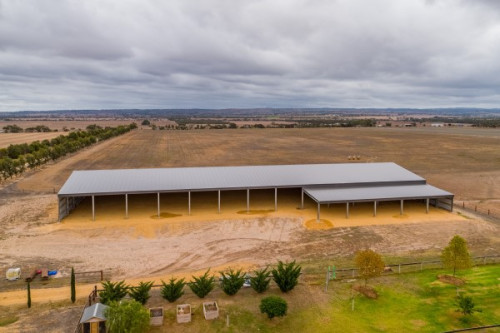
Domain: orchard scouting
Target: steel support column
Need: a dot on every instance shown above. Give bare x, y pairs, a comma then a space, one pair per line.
275, 199
93, 208
248, 200
158, 203
374, 208
427, 205
126, 206
318, 214
346, 210
218, 201
401, 210
189, 202
302, 199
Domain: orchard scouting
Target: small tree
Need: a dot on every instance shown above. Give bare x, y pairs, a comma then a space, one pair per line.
73, 286
202, 285
369, 264
456, 255
466, 305
273, 306
260, 281
232, 281
173, 290
141, 292
286, 275
113, 291
126, 316
29, 296
146, 122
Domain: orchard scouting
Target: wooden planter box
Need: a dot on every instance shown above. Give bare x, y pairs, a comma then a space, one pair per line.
156, 316
183, 313
210, 310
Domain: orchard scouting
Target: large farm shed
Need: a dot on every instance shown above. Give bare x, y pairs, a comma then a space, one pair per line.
342, 183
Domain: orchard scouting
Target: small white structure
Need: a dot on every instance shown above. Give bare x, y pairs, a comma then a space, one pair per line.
183, 313
93, 319
156, 316
437, 125
210, 310
13, 274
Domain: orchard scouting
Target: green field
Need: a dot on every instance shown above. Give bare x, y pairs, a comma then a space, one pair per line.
415, 302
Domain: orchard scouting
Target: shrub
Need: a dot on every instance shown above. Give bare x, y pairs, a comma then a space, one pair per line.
126, 316
232, 281
202, 285
260, 281
466, 305
113, 291
141, 292
173, 290
286, 275
273, 306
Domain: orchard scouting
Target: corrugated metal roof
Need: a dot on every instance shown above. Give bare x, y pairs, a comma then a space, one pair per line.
122, 181
93, 311
379, 193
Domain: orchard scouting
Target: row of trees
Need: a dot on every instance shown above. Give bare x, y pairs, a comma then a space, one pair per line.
16, 158
285, 275
35, 129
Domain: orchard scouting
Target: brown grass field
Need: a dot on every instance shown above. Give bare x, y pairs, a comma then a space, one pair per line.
59, 124
464, 161
7, 139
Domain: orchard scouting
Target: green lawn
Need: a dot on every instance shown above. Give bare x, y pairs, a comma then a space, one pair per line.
413, 302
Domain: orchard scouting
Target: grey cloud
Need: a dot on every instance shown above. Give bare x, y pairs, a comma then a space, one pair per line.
227, 53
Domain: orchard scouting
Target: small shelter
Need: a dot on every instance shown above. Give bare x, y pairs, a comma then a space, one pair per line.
93, 319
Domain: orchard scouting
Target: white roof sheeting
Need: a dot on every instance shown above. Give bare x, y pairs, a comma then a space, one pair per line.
376, 193
121, 181
94, 311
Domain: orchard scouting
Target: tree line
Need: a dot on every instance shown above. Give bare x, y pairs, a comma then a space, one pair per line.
17, 158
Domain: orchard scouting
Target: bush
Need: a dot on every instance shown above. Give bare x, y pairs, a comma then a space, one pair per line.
273, 306
141, 292
260, 281
126, 316
173, 290
286, 275
466, 305
369, 264
202, 285
113, 291
232, 281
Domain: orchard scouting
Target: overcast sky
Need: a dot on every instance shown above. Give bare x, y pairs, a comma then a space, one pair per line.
98, 54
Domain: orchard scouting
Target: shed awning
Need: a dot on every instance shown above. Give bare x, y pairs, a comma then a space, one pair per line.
375, 193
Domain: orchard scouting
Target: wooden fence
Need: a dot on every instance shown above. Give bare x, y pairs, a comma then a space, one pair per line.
407, 267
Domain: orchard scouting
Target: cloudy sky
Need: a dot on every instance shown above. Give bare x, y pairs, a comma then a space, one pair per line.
97, 54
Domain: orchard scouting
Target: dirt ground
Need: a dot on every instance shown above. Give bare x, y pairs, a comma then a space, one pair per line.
7, 139
462, 161
59, 124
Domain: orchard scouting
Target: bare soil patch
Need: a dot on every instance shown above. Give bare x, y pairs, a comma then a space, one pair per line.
451, 280
366, 290
7, 139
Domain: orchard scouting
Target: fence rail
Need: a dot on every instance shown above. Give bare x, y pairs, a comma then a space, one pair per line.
407, 267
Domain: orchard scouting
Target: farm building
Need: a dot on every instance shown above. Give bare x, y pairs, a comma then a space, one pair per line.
341, 183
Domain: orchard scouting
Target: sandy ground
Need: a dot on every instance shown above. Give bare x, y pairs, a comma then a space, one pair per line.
7, 139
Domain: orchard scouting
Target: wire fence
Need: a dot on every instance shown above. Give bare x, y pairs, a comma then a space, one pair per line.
480, 209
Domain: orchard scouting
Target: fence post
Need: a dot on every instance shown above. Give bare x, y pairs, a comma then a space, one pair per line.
102, 275
421, 266
399, 269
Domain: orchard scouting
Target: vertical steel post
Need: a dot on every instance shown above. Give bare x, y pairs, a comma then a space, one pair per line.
401, 208
248, 200
93, 208
302, 199
427, 205
126, 206
318, 215
158, 203
374, 208
346, 210
218, 201
275, 199
189, 202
